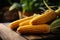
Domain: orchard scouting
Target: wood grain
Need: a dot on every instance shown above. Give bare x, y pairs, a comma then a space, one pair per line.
7, 34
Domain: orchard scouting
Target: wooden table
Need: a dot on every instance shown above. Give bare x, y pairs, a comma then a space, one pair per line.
8, 34
36, 37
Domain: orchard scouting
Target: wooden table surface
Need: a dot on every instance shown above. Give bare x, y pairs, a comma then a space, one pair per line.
8, 34
36, 37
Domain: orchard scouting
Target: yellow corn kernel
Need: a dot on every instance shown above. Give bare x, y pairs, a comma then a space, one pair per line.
34, 29
48, 16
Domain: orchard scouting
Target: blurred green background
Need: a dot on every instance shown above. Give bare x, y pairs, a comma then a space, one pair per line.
9, 16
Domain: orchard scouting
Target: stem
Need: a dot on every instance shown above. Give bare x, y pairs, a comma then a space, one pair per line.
20, 14
47, 5
58, 11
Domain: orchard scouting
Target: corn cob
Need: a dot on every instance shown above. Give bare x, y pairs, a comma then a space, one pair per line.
34, 29
48, 16
15, 24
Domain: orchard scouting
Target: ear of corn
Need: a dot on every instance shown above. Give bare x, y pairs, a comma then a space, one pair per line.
15, 24
34, 29
48, 16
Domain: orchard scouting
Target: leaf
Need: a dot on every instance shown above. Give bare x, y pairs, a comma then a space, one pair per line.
15, 5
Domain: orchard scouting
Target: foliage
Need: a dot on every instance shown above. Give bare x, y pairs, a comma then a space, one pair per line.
27, 5
32, 5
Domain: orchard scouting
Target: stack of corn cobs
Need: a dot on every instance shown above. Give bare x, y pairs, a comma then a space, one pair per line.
36, 24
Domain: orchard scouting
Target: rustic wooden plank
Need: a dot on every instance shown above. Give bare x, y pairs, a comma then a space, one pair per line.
6, 24
7, 34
